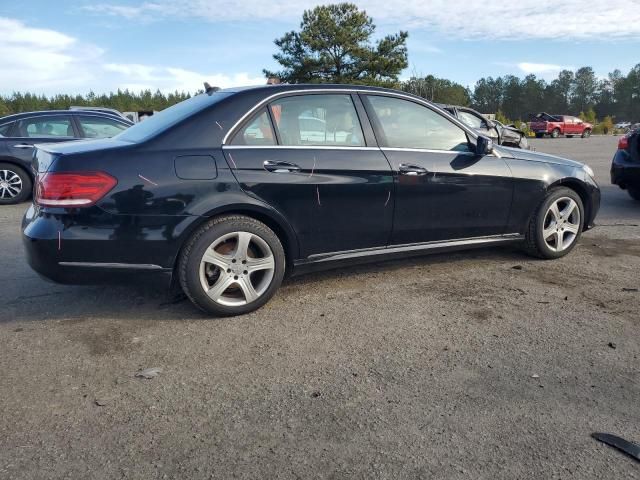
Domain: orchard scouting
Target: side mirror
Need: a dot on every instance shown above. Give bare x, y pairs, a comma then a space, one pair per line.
484, 145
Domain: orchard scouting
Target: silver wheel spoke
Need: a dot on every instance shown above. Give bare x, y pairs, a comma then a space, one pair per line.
568, 210
571, 228
255, 264
217, 259
555, 212
223, 283
244, 239
248, 289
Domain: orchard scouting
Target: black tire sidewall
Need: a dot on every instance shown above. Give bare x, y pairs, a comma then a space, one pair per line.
27, 184
554, 195
189, 267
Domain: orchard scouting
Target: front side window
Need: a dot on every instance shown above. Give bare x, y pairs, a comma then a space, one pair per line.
407, 124
4, 129
44, 127
96, 127
470, 120
318, 120
256, 132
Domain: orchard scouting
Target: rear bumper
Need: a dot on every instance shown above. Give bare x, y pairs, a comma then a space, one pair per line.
65, 249
624, 172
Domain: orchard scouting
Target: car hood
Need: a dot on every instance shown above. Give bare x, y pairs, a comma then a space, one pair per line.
81, 146
537, 157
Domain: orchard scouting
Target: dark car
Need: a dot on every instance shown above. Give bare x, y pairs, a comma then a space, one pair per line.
19, 133
625, 168
230, 190
507, 135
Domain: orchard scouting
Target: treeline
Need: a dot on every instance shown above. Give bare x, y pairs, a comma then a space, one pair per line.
578, 93
122, 100
573, 93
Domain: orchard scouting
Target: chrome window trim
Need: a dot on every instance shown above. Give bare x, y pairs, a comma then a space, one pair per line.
294, 147
417, 100
424, 150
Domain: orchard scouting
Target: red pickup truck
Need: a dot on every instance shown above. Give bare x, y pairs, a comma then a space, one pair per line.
555, 125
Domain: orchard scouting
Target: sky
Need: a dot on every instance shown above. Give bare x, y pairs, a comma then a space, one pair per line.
77, 46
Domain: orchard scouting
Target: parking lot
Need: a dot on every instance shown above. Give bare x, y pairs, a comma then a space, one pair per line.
481, 364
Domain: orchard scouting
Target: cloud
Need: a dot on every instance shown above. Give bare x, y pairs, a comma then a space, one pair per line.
472, 19
541, 68
47, 61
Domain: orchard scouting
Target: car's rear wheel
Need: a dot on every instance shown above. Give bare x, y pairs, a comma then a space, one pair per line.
586, 133
555, 133
634, 193
15, 184
232, 265
556, 225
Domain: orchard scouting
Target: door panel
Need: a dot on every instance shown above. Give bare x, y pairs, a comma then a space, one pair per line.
460, 196
335, 199
444, 191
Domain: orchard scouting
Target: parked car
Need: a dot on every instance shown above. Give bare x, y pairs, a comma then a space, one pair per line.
625, 167
507, 135
556, 125
194, 192
20, 132
622, 125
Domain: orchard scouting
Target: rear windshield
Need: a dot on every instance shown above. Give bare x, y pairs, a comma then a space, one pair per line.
165, 119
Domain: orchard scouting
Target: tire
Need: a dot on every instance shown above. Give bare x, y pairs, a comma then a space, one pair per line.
564, 225
539, 135
15, 184
555, 133
634, 193
236, 281
586, 133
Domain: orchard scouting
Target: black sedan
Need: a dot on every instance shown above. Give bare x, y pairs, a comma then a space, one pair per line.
507, 135
19, 133
230, 190
625, 167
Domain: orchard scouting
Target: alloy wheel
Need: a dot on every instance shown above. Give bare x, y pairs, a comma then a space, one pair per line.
561, 224
237, 268
10, 184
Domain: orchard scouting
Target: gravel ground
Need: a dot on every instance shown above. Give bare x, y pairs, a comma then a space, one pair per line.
484, 364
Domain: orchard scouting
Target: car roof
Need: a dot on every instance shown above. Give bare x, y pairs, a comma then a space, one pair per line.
48, 113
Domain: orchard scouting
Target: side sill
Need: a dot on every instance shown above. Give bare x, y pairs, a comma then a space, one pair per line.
409, 248
119, 266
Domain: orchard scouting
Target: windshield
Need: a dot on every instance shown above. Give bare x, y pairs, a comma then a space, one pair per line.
167, 118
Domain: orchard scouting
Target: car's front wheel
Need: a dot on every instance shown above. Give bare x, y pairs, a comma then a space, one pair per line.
231, 265
15, 184
555, 133
586, 133
556, 225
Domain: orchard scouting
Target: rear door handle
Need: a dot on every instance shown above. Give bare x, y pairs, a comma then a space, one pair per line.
414, 170
280, 167
23, 145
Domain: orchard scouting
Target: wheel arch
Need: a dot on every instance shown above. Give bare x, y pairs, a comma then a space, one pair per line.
271, 218
582, 191
19, 164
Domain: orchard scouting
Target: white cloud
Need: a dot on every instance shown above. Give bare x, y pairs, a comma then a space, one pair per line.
541, 68
549, 19
46, 61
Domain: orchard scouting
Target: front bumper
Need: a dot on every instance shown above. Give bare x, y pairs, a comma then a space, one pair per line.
624, 171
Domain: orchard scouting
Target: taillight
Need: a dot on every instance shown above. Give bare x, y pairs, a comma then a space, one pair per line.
623, 143
77, 189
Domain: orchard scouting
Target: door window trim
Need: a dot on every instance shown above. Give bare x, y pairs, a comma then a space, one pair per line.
265, 101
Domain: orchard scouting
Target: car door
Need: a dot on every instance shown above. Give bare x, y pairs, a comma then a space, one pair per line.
310, 157
444, 191
39, 129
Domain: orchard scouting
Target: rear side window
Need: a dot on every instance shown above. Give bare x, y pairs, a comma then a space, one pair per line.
44, 127
257, 132
5, 129
406, 124
318, 120
97, 127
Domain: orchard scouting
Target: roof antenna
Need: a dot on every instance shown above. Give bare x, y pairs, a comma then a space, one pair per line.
209, 89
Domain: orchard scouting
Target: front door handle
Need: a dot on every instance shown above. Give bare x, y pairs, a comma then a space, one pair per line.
280, 167
413, 170
23, 145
